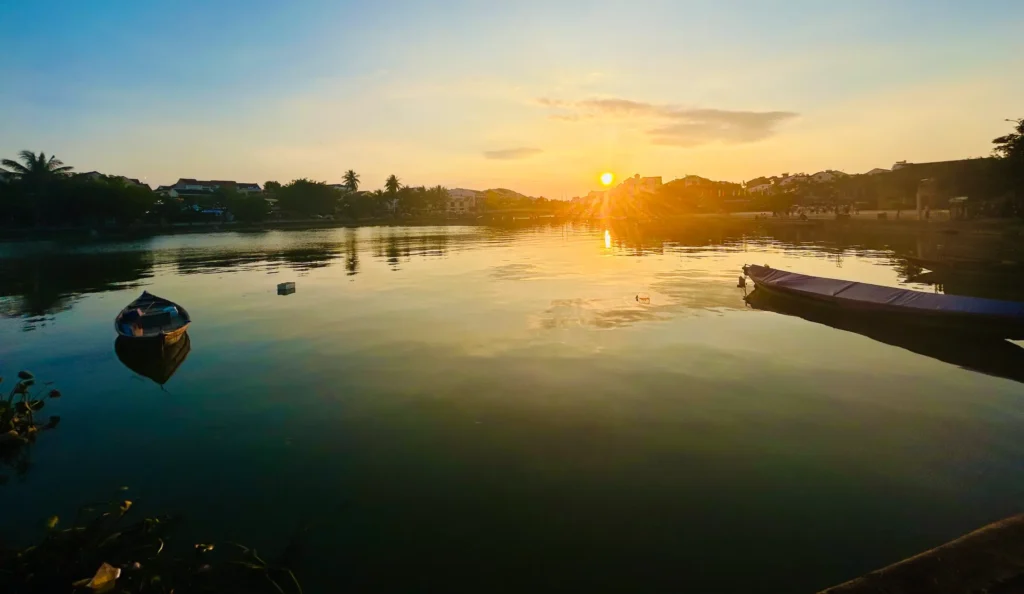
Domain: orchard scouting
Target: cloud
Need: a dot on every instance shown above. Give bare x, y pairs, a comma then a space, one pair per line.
513, 153
678, 126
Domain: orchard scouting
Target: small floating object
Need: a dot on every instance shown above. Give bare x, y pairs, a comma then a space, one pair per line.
643, 298
742, 282
286, 288
152, 319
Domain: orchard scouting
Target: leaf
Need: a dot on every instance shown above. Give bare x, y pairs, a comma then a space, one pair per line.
125, 506
55, 393
51, 522
54, 420
25, 375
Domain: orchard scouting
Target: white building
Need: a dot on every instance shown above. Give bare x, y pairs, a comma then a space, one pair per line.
827, 176
188, 186
760, 189
461, 201
794, 179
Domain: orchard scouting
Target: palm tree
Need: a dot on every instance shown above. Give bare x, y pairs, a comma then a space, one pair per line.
351, 179
392, 184
34, 167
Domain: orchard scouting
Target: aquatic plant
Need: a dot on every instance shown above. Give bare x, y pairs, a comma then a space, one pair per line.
19, 422
101, 552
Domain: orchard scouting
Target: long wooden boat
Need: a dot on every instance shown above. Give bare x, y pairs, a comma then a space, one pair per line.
952, 313
152, 319
987, 355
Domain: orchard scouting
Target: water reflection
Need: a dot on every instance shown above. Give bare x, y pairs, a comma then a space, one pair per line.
999, 358
42, 283
36, 284
158, 363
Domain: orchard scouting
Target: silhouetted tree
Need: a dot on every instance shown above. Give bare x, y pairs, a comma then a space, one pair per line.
307, 197
351, 179
392, 184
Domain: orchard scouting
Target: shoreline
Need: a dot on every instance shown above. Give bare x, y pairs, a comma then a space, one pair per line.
867, 220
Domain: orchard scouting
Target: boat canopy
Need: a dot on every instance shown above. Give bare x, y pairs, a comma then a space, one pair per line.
836, 289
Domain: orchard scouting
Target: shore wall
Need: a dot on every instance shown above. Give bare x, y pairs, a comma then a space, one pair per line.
989, 560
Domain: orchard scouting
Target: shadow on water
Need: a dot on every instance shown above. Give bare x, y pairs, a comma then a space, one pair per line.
155, 362
998, 358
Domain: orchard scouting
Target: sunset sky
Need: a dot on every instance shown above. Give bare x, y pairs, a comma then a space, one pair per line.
536, 95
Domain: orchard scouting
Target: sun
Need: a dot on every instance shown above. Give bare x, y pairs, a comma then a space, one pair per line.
607, 179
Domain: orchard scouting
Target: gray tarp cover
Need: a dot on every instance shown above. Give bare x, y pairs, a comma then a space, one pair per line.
875, 294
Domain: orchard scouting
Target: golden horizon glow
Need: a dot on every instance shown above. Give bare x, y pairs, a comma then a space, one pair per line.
607, 178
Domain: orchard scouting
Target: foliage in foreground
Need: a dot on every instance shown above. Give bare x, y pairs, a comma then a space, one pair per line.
19, 425
101, 552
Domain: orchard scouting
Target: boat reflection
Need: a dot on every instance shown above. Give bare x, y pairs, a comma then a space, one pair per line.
998, 358
152, 361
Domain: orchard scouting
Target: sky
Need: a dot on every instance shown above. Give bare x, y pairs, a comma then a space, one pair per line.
540, 96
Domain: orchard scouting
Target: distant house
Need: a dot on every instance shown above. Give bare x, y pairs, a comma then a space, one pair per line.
193, 187
760, 189
900, 165
461, 201
794, 179
827, 176
876, 171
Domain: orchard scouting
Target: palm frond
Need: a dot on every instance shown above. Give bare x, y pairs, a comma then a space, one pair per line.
14, 167
28, 157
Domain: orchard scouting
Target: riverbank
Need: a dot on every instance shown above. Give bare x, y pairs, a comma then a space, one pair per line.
743, 222
990, 559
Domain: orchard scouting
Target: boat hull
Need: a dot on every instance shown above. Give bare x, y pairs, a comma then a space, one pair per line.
972, 324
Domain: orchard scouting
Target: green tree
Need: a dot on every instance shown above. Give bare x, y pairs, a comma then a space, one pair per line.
437, 198
306, 197
35, 177
1010, 152
351, 179
34, 167
392, 184
271, 187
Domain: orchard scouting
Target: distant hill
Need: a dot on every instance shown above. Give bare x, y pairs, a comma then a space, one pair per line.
507, 194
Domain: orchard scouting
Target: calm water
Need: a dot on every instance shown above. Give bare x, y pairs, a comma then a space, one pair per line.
542, 409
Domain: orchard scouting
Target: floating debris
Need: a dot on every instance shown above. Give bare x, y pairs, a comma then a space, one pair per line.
286, 288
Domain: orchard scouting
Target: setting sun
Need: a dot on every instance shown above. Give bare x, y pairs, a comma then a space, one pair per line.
607, 179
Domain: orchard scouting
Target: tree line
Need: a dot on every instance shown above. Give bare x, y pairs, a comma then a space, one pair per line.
40, 190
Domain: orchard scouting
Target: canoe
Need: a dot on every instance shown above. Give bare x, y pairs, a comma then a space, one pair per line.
154, 361
951, 313
991, 356
152, 319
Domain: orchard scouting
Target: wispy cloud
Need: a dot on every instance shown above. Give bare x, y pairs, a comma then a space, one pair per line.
513, 153
679, 126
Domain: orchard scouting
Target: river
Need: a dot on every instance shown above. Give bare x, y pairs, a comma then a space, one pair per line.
539, 408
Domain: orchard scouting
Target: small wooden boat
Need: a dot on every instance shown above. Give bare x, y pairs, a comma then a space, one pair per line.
951, 313
152, 319
155, 361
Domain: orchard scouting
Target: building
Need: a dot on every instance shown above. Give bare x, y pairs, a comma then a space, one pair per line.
876, 171
194, 187
827, 176
900, 165
461, 201
788, 180
760, 189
